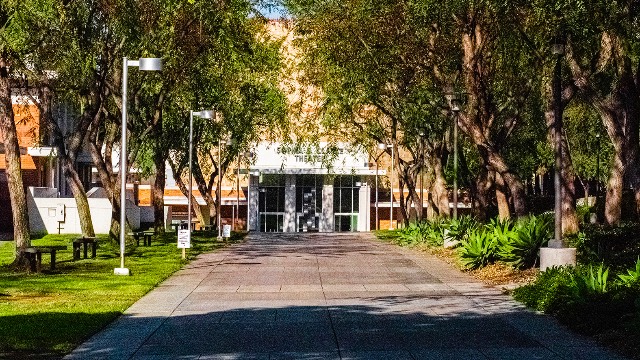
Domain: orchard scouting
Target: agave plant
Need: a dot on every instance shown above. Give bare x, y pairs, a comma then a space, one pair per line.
478, 249
632, 277
502, 231
411, 234
529, 235
594, 281
457, 230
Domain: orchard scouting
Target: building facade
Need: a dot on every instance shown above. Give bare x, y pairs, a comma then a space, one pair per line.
322, 189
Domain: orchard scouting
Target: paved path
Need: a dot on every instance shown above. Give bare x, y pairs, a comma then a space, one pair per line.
329, 296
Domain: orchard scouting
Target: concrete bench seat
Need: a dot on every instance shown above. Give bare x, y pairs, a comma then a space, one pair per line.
145, 235
84, 242
34, 254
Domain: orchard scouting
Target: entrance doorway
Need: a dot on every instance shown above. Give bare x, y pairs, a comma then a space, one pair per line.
308, 202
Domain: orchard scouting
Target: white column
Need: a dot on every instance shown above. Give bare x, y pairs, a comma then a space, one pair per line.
289, 204
253, 202
327, 218
364, 207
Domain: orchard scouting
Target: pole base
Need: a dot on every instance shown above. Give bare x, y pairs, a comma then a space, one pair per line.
550, 257
121, 271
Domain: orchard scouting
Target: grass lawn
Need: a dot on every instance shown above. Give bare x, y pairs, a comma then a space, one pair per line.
48, 314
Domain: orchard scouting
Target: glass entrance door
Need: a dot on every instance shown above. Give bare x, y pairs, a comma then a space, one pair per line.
271, 203
308, 202
346, 202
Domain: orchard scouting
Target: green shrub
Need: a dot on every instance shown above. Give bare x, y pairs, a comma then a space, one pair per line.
428, 232
616, 246
434, 232
581, 297
550, 292
583, 212
458, 230
521, 249
411, 234
632, 278
592, 282
478, 249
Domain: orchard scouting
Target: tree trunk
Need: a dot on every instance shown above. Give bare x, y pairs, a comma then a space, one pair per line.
504, 212
496, 162
67, 157
110, 183
80, 195
619, 110
195, 207
157, 192
613, 202
481, 197
21, 233
439, 188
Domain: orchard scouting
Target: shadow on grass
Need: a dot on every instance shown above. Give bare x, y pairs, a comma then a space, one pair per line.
48, 335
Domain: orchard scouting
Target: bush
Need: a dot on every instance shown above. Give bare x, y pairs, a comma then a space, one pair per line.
522, 248
583, 212
616, 246
550, 291
592, 282
457, 230
429, 232
478, 249
582, 297
632, 278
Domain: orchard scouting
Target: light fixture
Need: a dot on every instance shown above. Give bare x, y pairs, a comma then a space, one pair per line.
144, 64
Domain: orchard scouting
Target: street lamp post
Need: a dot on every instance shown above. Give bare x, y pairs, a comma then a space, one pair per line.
598, 167
382, 147
204, 114
558, 51
422, 135
455, 108
229, 142
247, 155
144, 64
557, 254
377, 217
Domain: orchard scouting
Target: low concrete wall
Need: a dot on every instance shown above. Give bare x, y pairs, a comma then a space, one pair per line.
44, 217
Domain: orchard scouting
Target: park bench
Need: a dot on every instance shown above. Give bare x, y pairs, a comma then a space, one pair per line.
84, 242
206, 227
34, 255
145, 235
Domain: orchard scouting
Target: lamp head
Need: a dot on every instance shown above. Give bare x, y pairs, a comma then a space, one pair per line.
150, 64
456, 105
206, 114
382, 146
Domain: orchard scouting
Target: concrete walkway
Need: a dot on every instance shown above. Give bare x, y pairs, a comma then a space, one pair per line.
329, 296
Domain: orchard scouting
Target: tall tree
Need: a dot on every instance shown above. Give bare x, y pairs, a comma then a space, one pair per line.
21, 38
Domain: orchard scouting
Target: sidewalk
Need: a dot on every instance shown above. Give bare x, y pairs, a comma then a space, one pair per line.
329, 296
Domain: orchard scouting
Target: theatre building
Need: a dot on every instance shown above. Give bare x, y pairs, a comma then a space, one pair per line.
310, 191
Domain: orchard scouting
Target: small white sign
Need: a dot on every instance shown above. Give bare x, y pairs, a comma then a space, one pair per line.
184, 239
60, 212
226, 231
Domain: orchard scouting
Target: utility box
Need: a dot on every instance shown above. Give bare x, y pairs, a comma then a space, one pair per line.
60, 212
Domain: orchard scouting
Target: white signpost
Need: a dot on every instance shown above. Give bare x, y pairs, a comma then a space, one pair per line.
184, 241
226, 231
